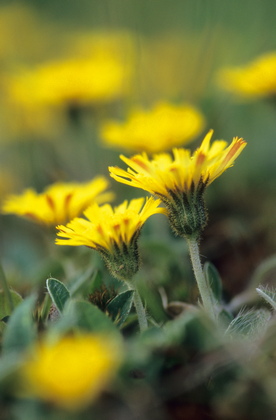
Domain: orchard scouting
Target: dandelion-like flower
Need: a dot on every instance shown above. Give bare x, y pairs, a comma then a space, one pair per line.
180, 180
59, 203
155, 130
255, 79
71, 372
112, 232
97, 79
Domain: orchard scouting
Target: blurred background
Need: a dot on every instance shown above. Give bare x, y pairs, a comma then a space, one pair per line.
68, 66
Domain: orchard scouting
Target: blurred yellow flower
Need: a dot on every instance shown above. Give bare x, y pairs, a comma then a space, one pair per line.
256, 79
95, 68
112, 232
155, 130
98, 79
71, 372
180, 181
59, 203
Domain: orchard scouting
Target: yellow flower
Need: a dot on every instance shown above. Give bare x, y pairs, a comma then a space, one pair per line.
72, 371
256, 79
59, 203
154, 130
76, 81
180, 181
112, 232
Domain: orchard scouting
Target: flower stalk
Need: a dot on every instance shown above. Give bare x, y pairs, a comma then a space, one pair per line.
140, 310
204, 288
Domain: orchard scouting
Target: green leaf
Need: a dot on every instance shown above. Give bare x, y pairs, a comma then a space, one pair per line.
120, 307
20, 331
85, 316
5, 302
213, 278
269, 295
58, 292
249, 324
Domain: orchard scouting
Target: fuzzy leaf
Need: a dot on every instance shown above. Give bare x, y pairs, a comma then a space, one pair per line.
20, 330
58, 292
249, 324
213, 278
85, 316
120, 307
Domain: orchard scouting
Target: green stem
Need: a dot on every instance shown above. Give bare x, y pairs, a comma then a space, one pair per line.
140, 310
204, 290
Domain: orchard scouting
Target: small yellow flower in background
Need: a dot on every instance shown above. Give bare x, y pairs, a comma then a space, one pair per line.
180, 180
255, 79
71, 372
59, 203
112, 232
99, 79
155, 130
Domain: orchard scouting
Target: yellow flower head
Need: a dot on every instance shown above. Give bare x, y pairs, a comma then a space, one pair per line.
59, 203
72, 371
180, 180
112, 232
155, 130
101, 78
256, 79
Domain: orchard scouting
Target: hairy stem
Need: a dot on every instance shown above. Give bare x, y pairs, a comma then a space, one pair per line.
266, 297
140, 310
204, 289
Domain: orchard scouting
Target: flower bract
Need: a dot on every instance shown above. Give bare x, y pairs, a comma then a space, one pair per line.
59, 203
155, 130
180, 179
